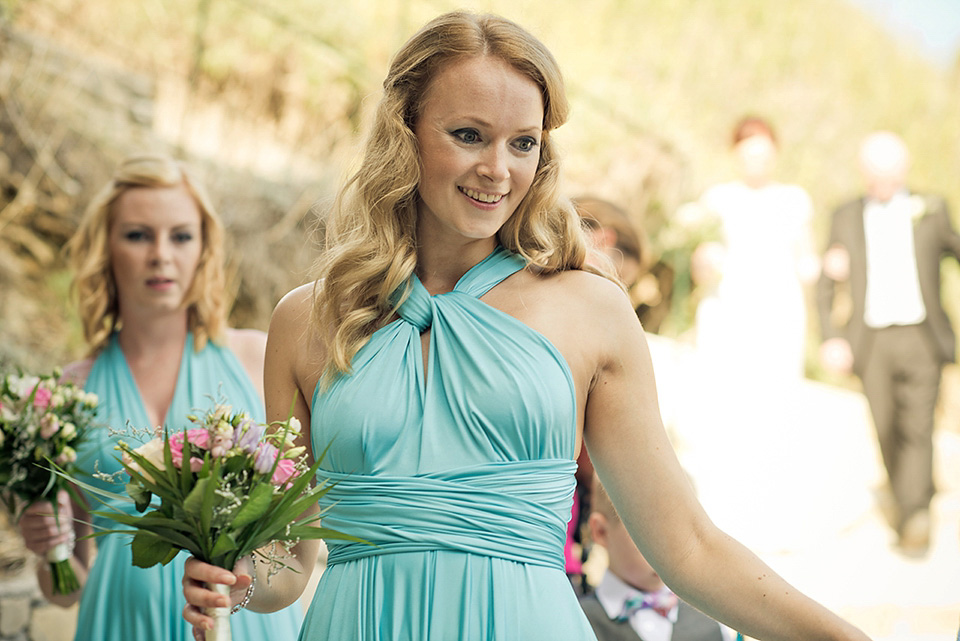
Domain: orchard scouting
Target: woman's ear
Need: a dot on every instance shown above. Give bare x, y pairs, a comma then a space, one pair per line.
599, 528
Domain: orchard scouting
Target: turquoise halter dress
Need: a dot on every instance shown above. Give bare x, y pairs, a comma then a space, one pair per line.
121, 602
462, 476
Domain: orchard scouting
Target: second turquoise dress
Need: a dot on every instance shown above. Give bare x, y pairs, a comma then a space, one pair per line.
121, 602
461, 473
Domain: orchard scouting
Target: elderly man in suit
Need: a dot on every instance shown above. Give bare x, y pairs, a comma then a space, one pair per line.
886, 248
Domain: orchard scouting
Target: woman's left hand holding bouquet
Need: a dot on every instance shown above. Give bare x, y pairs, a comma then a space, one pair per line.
197, 579
44, 529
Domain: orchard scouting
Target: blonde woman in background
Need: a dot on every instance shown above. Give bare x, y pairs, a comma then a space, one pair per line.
149, 282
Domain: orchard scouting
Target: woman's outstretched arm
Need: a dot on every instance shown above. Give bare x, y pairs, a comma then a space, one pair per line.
637, 464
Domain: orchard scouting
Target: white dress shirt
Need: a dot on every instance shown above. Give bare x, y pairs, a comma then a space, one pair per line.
893, 288
613, 593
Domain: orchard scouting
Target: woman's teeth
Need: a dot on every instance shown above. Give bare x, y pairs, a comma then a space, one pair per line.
484, 198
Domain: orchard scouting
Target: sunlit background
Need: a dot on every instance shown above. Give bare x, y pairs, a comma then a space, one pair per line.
270, 100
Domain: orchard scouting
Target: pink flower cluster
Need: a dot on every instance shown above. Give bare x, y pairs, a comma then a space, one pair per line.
42, 397
222, 439
197, 436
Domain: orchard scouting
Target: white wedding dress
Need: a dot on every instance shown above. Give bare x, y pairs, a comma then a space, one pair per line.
754, 324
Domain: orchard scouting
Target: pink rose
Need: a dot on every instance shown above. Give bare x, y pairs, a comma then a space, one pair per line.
286, 470
197, 436
49, 425
41, 399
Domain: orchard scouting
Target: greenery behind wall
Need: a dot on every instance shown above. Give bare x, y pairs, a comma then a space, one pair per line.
285, 89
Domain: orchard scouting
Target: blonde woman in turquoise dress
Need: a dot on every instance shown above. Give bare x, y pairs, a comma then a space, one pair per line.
148, 261
455, 352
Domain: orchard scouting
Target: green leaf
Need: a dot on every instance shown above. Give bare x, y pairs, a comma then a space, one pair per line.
193, 504
186, 476
156, 519
225, 543
149, 549
140, 496
255, 506
174, 551
209, 496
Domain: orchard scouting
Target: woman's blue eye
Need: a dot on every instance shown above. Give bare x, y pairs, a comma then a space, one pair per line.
135, 235
183, 237
467, 135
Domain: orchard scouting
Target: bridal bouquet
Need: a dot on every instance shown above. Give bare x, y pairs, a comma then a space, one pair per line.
221, 490
41, 421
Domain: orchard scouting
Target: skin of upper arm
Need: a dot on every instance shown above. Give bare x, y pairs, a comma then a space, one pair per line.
286, 358
287, 362
626, 440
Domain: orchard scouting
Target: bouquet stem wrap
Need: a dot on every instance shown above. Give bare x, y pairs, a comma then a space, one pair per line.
64, 578
221, 616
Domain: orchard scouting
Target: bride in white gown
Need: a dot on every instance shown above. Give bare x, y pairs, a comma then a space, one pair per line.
755, 319
758, 425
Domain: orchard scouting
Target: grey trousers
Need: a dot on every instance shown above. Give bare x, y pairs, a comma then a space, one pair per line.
901, 380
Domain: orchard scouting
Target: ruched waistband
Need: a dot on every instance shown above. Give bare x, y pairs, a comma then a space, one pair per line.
511, 510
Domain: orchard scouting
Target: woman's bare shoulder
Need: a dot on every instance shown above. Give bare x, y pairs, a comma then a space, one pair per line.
244, 341
291, 327
249, 345
591, 293
295, 306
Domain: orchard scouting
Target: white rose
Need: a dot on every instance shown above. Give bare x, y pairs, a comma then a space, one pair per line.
57, 399
68, 431
23, 385
152, 450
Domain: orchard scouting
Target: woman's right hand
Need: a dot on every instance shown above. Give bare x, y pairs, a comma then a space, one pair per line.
41, 530
197, 575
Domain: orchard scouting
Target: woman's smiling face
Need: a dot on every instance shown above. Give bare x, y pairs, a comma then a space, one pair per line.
479, 135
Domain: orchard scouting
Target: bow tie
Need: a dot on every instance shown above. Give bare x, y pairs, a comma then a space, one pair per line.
660, 602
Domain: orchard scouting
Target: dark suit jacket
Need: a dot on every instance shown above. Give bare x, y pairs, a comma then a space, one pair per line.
933, 236
691, 625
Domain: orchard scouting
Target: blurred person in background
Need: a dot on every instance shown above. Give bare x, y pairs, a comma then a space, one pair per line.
885, 247
148, 271
754, 321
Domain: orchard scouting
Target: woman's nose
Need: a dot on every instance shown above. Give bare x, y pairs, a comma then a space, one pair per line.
494, 164
160, 252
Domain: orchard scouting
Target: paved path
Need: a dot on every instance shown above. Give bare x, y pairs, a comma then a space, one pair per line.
793, 474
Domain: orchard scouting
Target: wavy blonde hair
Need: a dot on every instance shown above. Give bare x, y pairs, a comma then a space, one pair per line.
88, 254
371, 234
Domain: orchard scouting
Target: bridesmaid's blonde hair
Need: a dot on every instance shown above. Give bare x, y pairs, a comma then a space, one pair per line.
371, 234
94, 287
